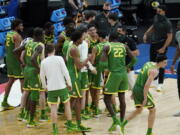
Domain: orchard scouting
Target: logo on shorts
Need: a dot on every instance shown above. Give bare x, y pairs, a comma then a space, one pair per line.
86, 85
36, 85
106, 89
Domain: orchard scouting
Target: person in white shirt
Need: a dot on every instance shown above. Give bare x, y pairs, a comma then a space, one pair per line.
83, 50
55, 78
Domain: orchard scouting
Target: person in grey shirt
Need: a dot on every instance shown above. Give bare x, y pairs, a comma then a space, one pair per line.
113, 20
177, 55
161, 37
88, 17
101, 20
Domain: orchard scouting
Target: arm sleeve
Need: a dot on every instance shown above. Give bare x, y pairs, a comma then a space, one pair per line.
65, 72
169, 27
42, 76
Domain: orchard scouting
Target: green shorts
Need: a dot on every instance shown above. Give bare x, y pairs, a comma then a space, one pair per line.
76, 85
32, 80
116, 82
34, 95
14, 70
90, 76
84, 81
63, 94
103, 65
96, 80
138, 93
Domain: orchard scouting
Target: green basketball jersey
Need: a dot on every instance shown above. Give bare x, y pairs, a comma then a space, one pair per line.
93, 43
48, 39
64, 35
99, 48
65, 47
143, 75
73, 70
116, 57
10, 46
29, 50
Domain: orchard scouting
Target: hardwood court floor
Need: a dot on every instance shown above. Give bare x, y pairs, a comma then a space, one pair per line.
167, 103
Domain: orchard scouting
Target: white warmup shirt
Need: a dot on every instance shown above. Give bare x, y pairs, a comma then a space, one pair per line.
53, 69
83, 49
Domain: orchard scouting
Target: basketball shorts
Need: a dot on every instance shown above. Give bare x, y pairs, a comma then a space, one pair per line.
116, 82
32, 79
138, 94
63, 94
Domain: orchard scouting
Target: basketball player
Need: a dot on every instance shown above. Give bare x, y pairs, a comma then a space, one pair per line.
49, 33
68, 22
13, 40
34, 53
132, 46
63, 44
97, 79
24, 106
93, 41
141, 94
83, 50
117, 81
74, 65
67, 41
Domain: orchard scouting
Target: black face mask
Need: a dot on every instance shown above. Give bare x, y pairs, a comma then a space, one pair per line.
160, 17
122, 38
106, 11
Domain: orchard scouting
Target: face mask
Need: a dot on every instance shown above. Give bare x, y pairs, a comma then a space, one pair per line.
122, 38
160, 17
106, 11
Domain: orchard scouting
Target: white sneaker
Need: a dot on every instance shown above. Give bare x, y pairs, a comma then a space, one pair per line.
118, 130
177, 114
160, 88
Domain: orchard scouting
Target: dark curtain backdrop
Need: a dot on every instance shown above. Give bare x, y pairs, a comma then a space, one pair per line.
37, 12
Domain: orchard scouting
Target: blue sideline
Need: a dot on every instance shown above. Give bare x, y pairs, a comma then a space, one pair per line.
144, 57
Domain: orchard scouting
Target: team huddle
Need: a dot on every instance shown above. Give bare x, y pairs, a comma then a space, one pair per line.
84, 64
